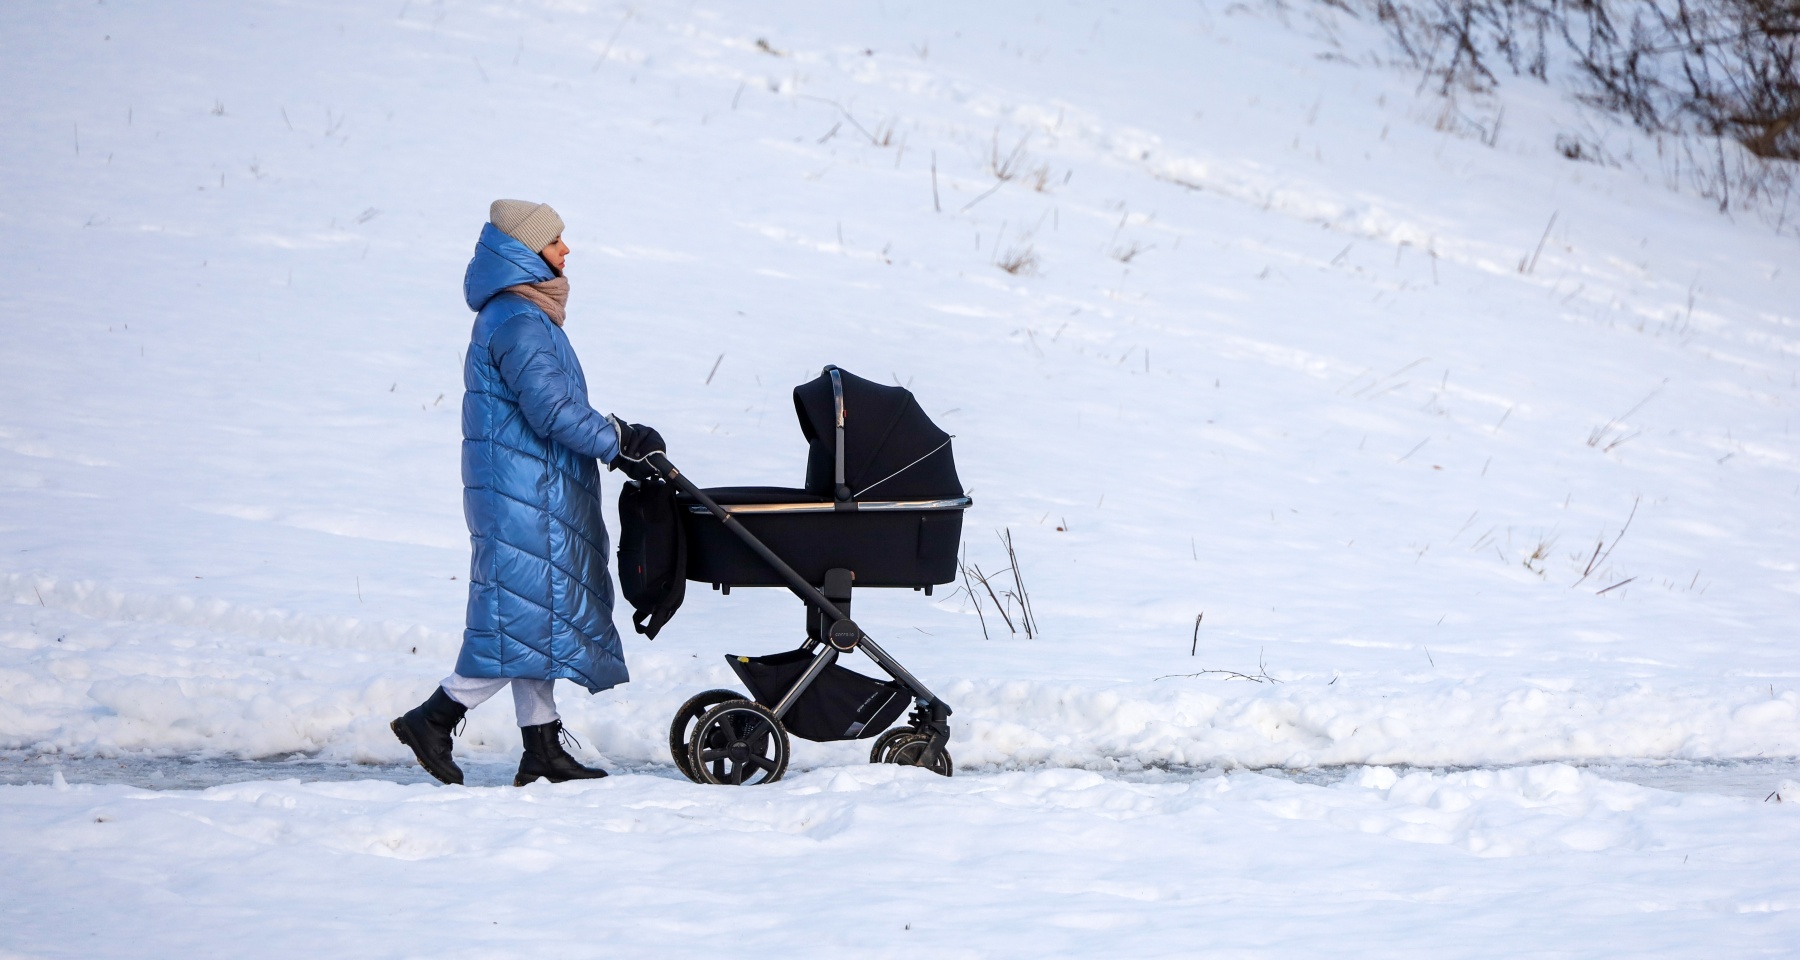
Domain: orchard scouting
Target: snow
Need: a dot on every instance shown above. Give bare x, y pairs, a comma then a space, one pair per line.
884, 861
1484, 455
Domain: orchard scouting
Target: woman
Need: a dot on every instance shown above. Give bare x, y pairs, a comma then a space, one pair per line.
540, 599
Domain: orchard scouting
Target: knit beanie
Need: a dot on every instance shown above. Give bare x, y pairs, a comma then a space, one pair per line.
532, 224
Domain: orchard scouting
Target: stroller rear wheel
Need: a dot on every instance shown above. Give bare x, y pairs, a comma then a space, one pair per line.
682, 727
910, 752
739, 743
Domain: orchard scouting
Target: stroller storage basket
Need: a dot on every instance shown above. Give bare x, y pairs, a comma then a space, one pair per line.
841, 704
906, 543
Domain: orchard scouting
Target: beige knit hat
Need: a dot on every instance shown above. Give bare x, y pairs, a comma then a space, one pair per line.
532, 224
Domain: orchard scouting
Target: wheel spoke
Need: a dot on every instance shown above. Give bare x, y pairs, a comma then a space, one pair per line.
761, 763
708, 756
737, 773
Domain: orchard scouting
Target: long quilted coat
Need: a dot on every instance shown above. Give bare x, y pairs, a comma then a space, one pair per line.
540, 599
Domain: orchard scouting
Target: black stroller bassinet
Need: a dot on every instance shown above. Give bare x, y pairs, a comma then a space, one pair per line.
881, 507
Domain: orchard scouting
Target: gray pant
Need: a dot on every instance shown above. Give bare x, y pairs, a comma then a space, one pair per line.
533, 700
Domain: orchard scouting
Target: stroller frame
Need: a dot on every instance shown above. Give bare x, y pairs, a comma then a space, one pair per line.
830, 631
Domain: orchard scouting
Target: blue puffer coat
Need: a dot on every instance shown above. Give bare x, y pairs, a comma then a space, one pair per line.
540, 599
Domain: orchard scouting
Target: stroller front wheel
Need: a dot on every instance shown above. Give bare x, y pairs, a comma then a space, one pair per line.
739, 743
884, 744
910, 752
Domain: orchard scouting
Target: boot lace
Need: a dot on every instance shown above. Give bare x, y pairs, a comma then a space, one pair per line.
564, 737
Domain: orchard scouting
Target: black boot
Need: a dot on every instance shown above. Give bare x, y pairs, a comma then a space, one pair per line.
545, 757
426, 729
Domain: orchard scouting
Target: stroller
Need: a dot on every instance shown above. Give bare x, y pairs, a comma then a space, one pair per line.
882, 507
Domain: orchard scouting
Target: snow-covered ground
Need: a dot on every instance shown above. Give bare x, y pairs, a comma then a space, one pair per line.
1485, 455
882, 861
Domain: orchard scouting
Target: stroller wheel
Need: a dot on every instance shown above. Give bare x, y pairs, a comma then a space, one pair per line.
884, 744
911, 753
739, 743
682, 727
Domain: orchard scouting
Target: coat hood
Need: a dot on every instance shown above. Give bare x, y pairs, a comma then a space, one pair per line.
500, 262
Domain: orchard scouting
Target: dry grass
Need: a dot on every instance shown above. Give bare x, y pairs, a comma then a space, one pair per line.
1720, 79
1020, 261
1129, 252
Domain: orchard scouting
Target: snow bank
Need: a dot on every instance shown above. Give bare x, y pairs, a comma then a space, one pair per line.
212, 677
1302, 725
96, 602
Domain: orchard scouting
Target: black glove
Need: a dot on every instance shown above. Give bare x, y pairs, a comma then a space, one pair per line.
640, 441
636, 443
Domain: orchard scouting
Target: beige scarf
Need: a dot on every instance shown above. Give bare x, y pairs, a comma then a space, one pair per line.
551, 296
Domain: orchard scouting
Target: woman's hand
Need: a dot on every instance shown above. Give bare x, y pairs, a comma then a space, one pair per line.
640, 441
636, 443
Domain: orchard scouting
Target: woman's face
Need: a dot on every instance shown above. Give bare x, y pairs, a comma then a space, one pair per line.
556, 254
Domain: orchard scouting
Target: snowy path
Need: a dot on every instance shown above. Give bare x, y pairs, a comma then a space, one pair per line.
1745, 779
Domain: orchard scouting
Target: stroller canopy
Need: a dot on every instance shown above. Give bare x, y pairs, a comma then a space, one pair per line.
892, 450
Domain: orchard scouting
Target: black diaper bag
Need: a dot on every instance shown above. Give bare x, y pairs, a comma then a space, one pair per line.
652, 553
